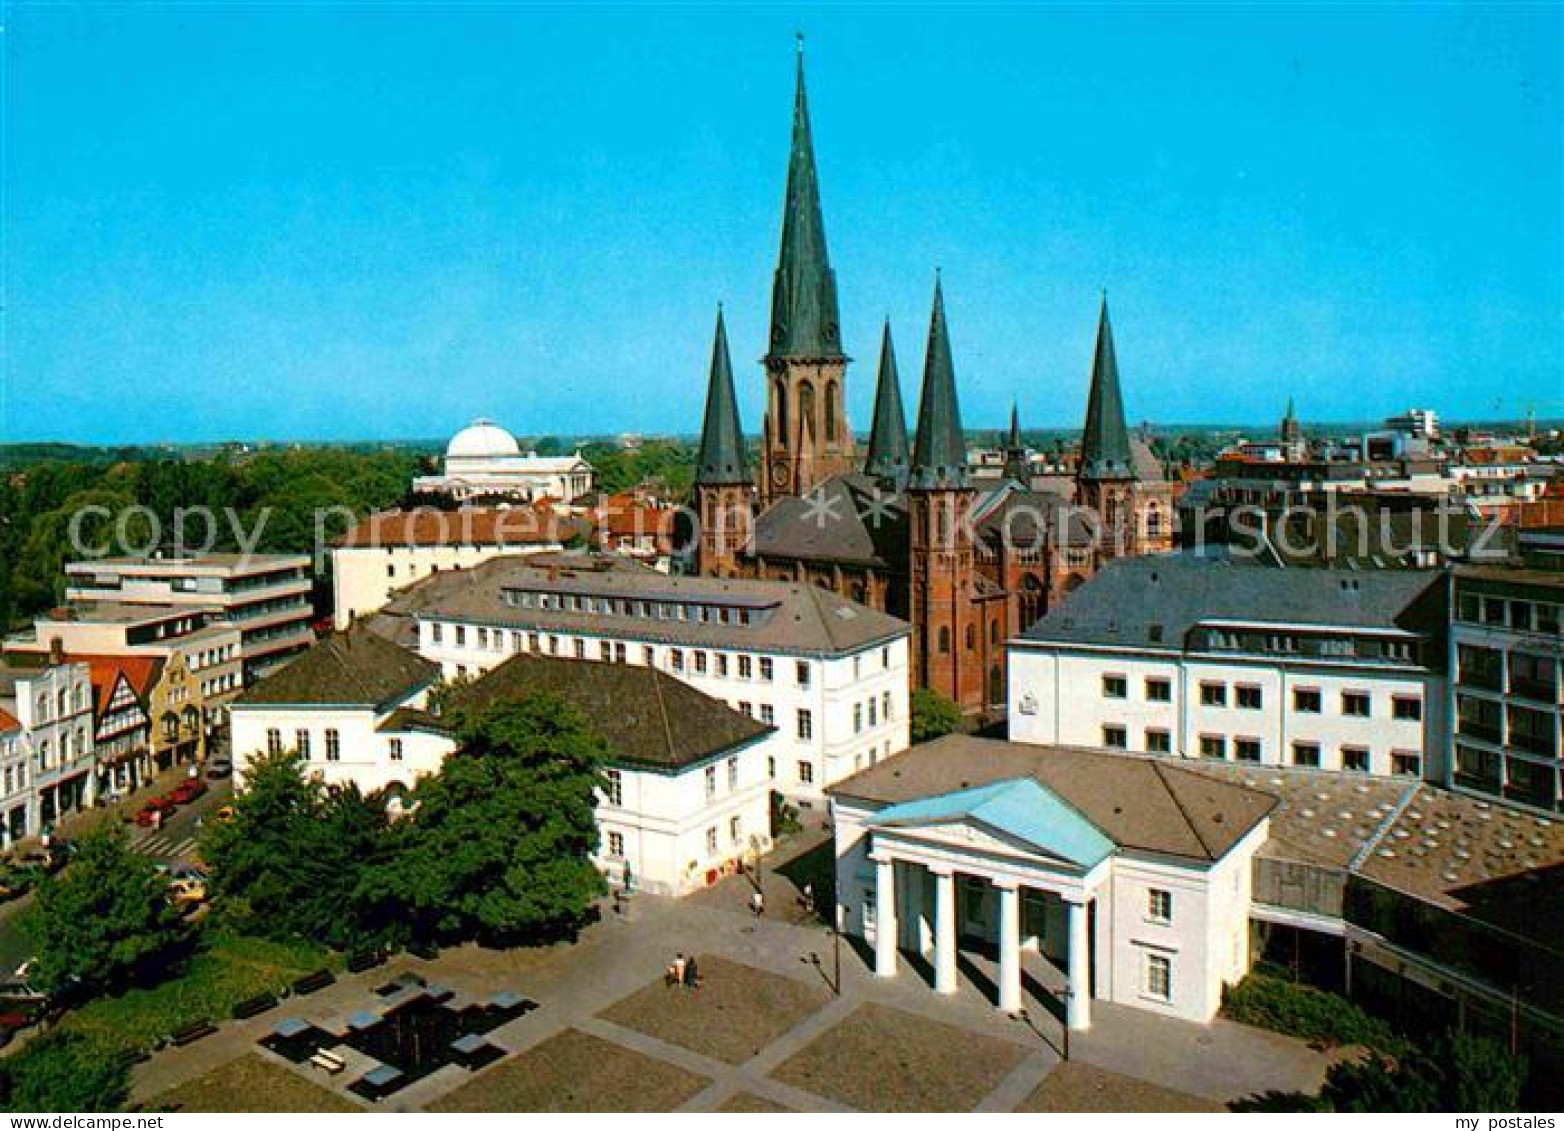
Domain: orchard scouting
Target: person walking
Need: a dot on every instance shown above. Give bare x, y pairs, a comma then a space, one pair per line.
757, 904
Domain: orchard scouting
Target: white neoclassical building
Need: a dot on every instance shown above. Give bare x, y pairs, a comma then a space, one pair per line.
1088, 876
484, 462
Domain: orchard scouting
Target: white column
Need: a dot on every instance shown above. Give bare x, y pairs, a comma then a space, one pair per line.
885, 918
1009, 948
1078, 1012
945, 932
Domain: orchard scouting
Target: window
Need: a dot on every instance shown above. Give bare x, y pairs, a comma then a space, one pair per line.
614, 787
803, 673
676, 659
765, 668
711, 841
437, 632
1159, 905
768, 714
483, 638
1114, 737
1306, 700
1213, 694
1159, 690
806, 773
333, 745
1406, 707
1406, 763
648, 655
605, 651
733, 773
1246, 749
735, 831
580, 648
1213, 746
301, 742
1114, 687
885, 658
273, 741
721, 659
857, 718
1355, 758
806, 724
711, 783
1159, 977
1159, 742
1250, 697
885, 706
1355, 704
396, 749
616, 844
944, 641
700, 663
461, 635
1306, 754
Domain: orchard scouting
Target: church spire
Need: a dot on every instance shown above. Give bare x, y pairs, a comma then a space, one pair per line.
939, 457
1015, 451
1105, 444
721, 458
887, 459
804, 322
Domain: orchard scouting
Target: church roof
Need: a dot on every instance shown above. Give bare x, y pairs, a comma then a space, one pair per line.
804, 319
721, 459
1021, 808
851, 519
1015, 451
482, 439
939, 458
888, 456
1105, 445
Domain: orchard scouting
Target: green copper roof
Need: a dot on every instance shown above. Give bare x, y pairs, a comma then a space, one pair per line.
939, 458
804, 320
888, 456
1015, 451
721, 457
1019, 808
1105, 445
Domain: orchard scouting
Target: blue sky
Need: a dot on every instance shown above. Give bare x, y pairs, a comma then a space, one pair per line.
363, 221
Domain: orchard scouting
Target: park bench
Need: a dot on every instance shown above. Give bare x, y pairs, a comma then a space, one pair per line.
361, 960
312, 982
328, 1062
251, 1006
192, 1032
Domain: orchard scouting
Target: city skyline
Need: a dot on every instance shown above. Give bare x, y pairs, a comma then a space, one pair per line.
504, 271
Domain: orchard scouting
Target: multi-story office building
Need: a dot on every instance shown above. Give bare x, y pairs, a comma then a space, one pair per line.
1197, 658
1507, 694
265, 596
829, 673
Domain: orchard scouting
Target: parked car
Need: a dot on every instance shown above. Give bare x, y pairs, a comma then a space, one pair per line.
187, 791
156, 810
219, 767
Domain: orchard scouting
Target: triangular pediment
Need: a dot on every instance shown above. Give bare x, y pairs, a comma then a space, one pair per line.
973, 835
1013, 816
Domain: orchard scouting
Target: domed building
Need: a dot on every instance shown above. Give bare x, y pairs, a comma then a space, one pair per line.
484, 463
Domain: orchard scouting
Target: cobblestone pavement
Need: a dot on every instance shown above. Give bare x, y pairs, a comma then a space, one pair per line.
625, 952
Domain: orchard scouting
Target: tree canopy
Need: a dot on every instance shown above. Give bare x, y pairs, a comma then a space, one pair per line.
933, 715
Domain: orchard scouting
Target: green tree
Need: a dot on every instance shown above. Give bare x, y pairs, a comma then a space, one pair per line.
933, 715
291, 862
497, 845
64, 1071
105, 919
1459, 1072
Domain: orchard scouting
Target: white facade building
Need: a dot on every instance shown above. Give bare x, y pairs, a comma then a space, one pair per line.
1316, 668
484, 462
1100, 877
46, 745
687, 787
830, 674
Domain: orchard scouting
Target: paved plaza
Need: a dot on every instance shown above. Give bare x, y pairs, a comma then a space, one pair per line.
765, 1031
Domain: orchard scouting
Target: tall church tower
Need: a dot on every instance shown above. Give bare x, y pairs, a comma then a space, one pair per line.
807, 437
888, 458
1105, 480
946, 628
724, 493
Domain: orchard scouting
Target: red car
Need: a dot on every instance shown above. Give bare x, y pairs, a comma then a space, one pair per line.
158, 807
187, 791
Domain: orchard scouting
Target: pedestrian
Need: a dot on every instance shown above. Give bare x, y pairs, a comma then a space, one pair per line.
809, 897
679, 965
691, 974
757, 904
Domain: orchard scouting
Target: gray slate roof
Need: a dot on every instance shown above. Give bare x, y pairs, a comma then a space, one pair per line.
939, 454
852, 519
1139, 803
647, 718
353, 667
798, 619
1105, 443
888, 458
1121, 603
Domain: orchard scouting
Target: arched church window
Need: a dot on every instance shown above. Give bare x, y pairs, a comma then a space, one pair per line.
1153, 520
971, 638
944, 641
806, 404
830, 412
780, 392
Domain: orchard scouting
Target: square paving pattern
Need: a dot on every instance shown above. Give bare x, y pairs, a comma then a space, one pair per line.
735, 1012
251, 1083
575, 1071
883, 1059
1076, 1086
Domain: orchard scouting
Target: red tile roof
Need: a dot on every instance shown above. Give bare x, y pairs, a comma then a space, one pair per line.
8, 721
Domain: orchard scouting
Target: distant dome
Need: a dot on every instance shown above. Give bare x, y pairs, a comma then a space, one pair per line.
482, 439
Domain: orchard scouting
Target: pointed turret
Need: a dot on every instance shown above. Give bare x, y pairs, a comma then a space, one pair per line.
1016, 467
804, 322
888, 457
1105, 444
721, 458
939, 458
